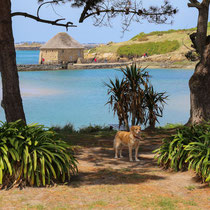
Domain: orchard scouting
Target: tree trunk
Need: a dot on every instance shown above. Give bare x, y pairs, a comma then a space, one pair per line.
202, 27
126, 123
12, 102
152, 119
200, 90
200, 81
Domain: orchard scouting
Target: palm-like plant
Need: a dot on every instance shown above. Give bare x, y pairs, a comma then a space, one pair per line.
199, 155
188, 148
136, 81
118, 100
32, 154
154, 103
134, 98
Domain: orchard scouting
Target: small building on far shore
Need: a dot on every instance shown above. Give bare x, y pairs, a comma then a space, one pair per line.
61, 49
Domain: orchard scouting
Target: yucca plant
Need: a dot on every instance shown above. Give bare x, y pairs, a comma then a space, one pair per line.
32, 154
189, 148
154, 104
131, 97
199, 156
136, 80
118, 100
171, 153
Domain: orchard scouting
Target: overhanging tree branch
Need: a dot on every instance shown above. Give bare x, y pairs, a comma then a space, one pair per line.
53, 22
102, 11
37, 18
135, 12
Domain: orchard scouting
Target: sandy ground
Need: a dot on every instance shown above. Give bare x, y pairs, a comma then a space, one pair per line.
106, 183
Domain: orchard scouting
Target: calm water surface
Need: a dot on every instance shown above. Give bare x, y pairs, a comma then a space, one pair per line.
27, 56
79, 96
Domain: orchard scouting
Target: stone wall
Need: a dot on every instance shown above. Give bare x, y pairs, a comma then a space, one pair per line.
50, 56
70, 55
97, 65
40, 67
60, 56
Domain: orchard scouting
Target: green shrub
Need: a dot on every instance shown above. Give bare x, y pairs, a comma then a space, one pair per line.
68, 128
171, 126
189, 148
199, 155
93, 129
160, 33
142, 39
140, 36
32, 154
150, 47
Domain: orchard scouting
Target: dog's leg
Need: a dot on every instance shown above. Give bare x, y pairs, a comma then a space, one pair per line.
136, 153
121, 152
116, 146
130, 152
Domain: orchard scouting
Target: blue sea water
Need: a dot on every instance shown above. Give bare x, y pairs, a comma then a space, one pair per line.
79, 96
27, 56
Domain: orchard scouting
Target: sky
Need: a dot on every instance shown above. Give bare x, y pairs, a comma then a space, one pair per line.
25, 29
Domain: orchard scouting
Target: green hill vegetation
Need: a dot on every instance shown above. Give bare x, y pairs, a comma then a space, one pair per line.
151, 48
144, 37
176, 43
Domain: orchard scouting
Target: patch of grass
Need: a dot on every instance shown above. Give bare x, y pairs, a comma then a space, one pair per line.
171, 126
97, 204
136, 176
61, 207
190, 203
140, 37
99, 138
36, 207
163, 203
151, 48
125, 170
167, 203
160, 33
93, 50
191, 187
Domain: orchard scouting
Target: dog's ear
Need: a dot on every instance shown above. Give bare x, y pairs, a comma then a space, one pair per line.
132, 129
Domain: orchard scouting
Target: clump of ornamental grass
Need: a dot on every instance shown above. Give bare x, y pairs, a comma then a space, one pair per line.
188, 149
32, 154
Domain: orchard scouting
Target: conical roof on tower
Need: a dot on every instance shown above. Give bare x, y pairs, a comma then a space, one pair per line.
62, 41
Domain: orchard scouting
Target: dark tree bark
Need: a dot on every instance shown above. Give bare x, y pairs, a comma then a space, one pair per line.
12, 101
200, 90
200, 81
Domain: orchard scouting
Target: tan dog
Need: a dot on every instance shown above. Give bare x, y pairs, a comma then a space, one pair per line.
130, 139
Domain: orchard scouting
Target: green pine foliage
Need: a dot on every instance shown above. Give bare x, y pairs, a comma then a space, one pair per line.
189, 148
32, 154
151, 48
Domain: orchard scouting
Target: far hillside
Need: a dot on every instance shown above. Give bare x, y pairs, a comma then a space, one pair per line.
161, 46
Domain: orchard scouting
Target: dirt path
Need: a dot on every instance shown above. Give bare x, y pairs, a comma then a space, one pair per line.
106, 183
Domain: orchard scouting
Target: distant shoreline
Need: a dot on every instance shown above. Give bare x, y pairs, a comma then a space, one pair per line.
27, 48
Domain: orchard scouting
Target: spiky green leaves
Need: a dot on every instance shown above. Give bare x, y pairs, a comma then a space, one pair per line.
33, 154
189, 148
134, 97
